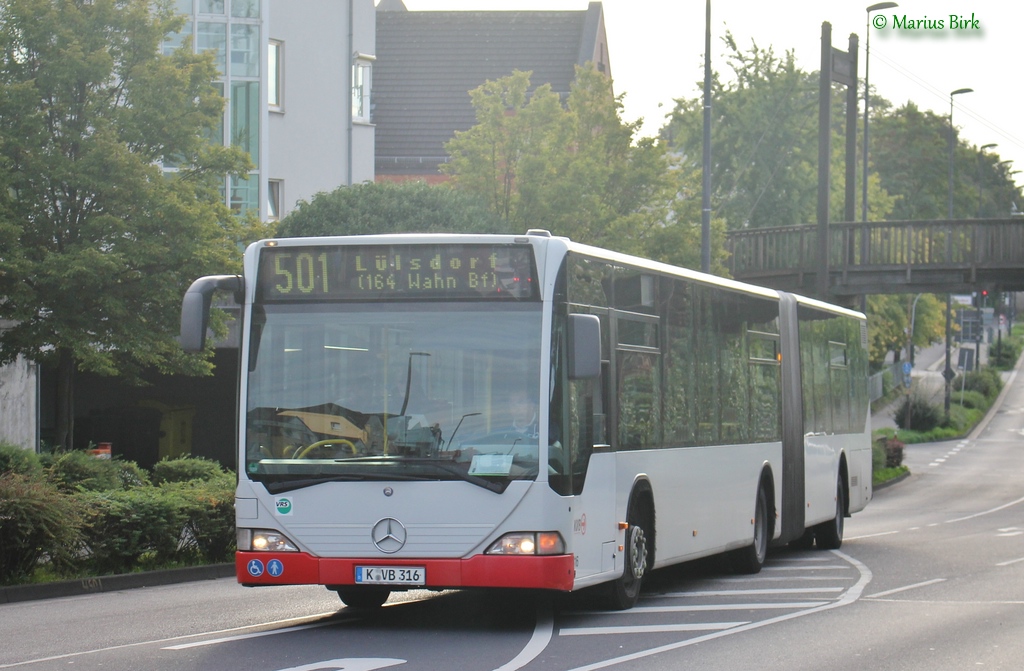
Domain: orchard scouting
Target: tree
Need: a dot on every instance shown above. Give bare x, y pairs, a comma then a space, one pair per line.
910, 150
574, 169
99, 243
385, 207
765, 142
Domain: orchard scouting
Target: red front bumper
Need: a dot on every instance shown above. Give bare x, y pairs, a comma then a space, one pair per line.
298, 568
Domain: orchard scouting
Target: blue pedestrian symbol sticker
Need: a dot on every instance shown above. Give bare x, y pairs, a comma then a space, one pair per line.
275, 568
255, 568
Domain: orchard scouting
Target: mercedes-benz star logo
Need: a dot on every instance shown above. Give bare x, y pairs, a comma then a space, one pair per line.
388, 535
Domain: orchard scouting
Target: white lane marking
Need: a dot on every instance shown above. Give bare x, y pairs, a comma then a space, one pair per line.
649, 628
542, 632
987, 512
161, 640
713, 607
851, 596
750, 592
905, 588
242, 637
1011, 562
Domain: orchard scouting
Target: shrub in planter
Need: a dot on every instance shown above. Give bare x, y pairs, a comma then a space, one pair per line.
76, 470
985, 381
37, 522
209, 509
971, 399
184, 469
125, 525
923, 415
15, 459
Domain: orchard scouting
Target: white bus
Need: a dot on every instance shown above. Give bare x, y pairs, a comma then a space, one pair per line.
462, 411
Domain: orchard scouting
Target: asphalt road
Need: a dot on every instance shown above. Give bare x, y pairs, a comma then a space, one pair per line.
931, 576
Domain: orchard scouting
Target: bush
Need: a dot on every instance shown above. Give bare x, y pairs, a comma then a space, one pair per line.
986, 381
185, 469
971, 399
893, 448
14, 459
124, 525
37, 521
923, 415
209, 509
75, 470
1003, 355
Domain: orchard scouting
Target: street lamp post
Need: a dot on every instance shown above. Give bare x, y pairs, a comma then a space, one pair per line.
867, 105
981, 156
948, 372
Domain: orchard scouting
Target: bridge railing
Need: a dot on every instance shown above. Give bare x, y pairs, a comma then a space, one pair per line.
977, 243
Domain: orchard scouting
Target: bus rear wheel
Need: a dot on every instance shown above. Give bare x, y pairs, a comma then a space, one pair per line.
363, 598
830, 534
751, 558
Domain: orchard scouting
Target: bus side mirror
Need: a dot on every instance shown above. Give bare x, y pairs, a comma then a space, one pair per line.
584, 346
195, 308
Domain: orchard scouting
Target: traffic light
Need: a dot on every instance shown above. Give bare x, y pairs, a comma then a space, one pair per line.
983, 302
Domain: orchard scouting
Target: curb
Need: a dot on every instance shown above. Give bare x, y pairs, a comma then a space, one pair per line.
114, 583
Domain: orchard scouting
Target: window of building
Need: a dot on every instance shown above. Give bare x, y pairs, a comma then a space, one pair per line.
245, 118
245, 9
245, 191
274, 200
361, 79
211, 7
213, 37
275, 73
245, 50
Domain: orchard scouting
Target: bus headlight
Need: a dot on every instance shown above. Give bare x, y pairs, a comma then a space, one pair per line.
264, 540
528, 543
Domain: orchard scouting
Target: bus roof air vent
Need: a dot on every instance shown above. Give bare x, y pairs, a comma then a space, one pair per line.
539, 232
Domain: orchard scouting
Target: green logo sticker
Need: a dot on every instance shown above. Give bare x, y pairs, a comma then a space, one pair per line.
284, 506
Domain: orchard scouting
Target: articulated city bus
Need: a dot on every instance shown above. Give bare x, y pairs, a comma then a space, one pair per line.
474, 411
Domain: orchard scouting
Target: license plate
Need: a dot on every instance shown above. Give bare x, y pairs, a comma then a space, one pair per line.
391, 575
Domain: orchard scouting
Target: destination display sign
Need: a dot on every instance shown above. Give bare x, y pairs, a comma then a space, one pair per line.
397, 272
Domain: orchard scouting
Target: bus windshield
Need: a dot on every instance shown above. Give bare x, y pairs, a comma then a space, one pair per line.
393, 391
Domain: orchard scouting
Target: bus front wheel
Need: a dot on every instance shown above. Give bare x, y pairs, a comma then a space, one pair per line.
363, 598
623, 592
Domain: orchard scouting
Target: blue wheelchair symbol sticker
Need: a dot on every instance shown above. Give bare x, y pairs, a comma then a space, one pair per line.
275, 567
255, 568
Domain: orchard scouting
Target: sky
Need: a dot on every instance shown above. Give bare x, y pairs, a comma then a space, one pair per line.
656, 50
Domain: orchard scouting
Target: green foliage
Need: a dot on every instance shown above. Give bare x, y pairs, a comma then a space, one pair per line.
889, 318
575, 170
75, 470
764, 136
971, 399
209, 509
37, 522
385, 207
14, 459
924, 416
1003, 355
123, 525
985, 381
186, 469
89, 109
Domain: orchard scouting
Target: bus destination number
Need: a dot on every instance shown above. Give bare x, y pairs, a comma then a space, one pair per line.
391, 575
470, 271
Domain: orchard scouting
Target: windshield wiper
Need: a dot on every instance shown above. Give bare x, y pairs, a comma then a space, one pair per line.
292, 485
495, 486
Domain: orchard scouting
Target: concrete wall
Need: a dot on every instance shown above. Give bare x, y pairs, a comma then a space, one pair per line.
18, 403
313, 144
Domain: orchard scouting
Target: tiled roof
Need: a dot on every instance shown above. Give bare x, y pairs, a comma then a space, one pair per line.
427, 62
